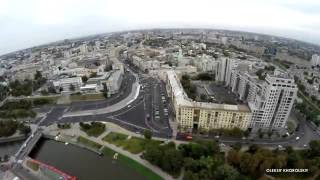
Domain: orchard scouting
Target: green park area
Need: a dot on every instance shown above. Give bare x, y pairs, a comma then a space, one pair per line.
87, 142
86, 97
282, 64
134, 145
23, 108
93, 128
149, 174
10, 127
204, 160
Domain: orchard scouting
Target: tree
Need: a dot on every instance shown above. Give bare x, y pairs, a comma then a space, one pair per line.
44, 92
108, 68
226, 172
72, 88
237, 146
105, 90
234, 157
203, 97
38, 75
269, 68
153, 154
147, 134
188, 175
24, 129
84, 79
314, 148
172, 161
93, 74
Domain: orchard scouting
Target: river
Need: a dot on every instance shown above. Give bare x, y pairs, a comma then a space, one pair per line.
82, 163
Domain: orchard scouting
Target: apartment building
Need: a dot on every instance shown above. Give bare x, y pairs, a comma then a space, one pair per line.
192, 115
270, 100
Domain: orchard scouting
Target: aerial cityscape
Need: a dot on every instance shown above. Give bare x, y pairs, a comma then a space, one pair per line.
162, 104
160, 90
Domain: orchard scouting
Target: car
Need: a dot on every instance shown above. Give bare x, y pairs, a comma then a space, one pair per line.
188, 137
297, 138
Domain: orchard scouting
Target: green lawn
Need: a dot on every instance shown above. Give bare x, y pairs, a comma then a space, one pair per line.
93, 129
32, 165
134, 145
133, 164
87, 142
281, 65
308, 101
115, 138
87, 97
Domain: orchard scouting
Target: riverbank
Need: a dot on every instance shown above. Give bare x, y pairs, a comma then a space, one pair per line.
133, 161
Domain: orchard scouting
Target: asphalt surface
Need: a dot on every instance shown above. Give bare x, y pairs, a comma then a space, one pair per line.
148, 112
125, 90
137, 116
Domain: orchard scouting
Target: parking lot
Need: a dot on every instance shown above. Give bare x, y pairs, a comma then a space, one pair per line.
221, 94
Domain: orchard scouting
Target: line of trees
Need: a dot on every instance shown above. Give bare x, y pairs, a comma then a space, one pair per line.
203, 160
25, 88
200, 160
256, 160
20, 109
189, 88
9, 127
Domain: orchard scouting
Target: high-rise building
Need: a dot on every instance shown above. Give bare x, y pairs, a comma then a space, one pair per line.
224, 69
270, 100
273, 102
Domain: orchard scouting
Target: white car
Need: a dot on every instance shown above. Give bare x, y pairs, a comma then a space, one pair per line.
297, 138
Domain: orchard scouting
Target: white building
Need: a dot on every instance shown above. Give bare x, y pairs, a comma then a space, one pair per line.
111, 79
270, 100
67, 84
223, 71
315, 60
206, 63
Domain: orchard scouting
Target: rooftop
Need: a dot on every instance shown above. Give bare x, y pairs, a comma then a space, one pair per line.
183, 100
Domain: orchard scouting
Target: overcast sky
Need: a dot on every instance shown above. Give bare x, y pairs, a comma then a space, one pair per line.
25, 23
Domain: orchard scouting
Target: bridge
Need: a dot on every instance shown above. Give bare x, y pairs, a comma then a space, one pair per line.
28, 145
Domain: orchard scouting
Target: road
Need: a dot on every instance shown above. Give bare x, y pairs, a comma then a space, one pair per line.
148, 111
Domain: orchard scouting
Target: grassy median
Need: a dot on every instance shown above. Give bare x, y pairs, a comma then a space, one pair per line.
134, 145
133, 164
87, 97
89, 143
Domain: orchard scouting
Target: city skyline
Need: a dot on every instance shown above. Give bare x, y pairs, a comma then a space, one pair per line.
27, 24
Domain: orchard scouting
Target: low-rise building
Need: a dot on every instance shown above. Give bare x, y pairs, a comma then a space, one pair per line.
112, 80
67, 84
